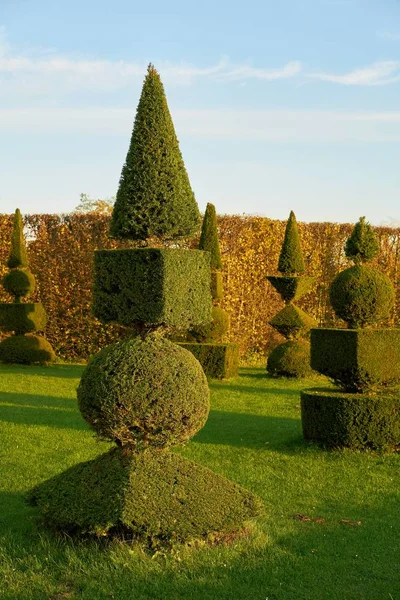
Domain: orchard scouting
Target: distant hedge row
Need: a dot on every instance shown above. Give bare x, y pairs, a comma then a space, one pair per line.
61, 257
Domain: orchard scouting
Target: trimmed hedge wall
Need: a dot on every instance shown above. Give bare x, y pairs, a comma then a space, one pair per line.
161, 286
357, 359
336, 419
61, 249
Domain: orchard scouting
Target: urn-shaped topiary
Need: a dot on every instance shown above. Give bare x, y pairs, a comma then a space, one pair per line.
154, 197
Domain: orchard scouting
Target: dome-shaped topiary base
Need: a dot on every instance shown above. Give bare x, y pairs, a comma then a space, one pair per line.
26, 350
290, 359
214, 331
152, 495
144, 392
361, 296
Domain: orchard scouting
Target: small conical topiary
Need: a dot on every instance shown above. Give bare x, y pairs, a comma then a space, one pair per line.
209, 237
291, 256
18, 256
154, 197
362, 244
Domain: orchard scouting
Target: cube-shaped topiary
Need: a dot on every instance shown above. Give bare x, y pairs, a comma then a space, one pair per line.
219, 361
357, 359
160, 286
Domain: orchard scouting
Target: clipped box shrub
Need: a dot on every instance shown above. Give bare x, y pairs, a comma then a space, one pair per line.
292, 322
214, 331
219, 361
161, 286
291, 287
19, 282
26, 350
357, 359
217, 285
290, 359
22, 318
337, 419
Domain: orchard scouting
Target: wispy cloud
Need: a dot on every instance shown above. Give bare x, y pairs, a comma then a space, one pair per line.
274, 126
377, 73
389, 36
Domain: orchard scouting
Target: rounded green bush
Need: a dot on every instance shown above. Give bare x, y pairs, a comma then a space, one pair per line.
214, 331
290, 359
19, 282
362, 296
142, 393
26, 350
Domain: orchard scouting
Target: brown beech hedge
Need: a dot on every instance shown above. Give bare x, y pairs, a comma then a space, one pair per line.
61, 257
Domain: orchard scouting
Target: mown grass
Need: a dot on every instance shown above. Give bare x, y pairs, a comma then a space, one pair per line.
348, 550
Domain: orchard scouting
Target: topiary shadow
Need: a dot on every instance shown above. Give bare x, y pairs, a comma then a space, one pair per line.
64, 371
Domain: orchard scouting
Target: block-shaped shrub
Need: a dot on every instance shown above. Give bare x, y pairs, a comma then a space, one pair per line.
22, 318
219, 361
357, 359
151, 495
292, 322
26, 350
337, 419
160, 286
291, 287
290, 359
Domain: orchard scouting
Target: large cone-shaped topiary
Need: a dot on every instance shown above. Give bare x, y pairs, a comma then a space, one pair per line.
363, 361
146, 393
219, 360
154, 197
292, 358
20, 317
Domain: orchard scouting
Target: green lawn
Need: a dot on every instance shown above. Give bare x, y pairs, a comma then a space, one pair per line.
344, 543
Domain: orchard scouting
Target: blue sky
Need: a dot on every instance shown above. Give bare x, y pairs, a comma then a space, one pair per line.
278, 106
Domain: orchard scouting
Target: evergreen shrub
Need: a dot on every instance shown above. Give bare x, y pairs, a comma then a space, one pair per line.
337, 419
291, 287
19, 282
26, 350
290, 359
23, 317
362, 244
357, 359
362, 296
292, 322
219, 361
162, 286
144, 392
291, 257
217, 285
157, 495
154, 198
214, 331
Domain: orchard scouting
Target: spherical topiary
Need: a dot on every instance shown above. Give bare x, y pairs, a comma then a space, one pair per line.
290, 359
26, 350
19, 282
361, 296
214, 331
144, 392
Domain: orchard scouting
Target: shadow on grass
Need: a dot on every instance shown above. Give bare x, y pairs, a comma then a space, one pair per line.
260, 391
64, 371
46, 411
251, 431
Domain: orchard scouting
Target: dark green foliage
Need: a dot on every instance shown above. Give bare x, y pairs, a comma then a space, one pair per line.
217, 285
291, 287
362, 244
157, 496
292, 322
209, 237
290, 359
144, 392
219, 361
357, 359
160, 286
19, 282
23, 317
154, 197
26, 350
18, 257
336, 419
291, 256
361, 296
214, 331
